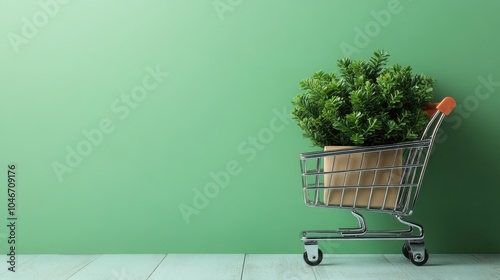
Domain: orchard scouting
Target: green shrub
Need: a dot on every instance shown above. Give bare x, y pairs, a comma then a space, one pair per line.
367, 103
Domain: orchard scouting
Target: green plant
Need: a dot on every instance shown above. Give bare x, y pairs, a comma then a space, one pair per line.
368, 103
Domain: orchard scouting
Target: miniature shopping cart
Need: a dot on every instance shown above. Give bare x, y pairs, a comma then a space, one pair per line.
383, 178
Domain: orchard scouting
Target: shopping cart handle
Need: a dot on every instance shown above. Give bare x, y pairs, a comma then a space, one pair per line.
445, 106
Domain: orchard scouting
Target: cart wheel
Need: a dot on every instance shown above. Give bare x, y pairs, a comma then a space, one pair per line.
315, 262
406, 253
418, 259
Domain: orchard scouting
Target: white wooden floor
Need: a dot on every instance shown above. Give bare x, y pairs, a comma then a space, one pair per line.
248, 267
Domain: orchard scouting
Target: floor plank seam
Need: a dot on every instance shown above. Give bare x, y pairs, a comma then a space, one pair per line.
98, 256
164, 257
478, 258
243, 266
314, 273
486, 263
398, 266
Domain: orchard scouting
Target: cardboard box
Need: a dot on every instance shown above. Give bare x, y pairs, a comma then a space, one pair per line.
380, 178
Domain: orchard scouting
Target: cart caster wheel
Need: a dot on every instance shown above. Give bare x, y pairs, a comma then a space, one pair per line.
315, 262
418, 259
405, 251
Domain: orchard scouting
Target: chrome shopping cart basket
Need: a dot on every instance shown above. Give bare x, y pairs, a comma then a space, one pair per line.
383, 178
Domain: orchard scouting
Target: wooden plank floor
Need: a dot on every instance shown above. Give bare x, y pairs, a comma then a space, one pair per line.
248, 267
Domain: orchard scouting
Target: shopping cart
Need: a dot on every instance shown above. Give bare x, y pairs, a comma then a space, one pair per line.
383, 178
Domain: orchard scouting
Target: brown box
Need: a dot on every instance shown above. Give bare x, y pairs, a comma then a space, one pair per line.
382, 178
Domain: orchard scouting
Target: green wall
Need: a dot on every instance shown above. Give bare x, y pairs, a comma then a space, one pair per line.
118, 114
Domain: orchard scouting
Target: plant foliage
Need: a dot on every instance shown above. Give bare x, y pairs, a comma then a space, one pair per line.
366, 103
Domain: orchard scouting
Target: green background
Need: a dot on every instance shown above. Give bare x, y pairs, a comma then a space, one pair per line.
234, 67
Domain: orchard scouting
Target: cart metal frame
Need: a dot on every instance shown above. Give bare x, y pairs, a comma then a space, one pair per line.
415, 156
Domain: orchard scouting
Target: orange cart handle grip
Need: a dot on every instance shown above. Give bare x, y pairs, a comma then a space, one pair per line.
446, 106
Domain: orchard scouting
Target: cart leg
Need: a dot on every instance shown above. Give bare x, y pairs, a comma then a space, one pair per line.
355, 231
